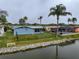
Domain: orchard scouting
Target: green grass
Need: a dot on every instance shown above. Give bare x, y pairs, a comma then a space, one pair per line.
26, 39
30, 39
71, 36
35, 36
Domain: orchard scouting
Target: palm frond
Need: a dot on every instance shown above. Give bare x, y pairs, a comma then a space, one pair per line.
52, 13
68, 13
59, 10
53, 8
3, 12
25, 18
74, 19
65, 13
40, 17
62, 7
69, 19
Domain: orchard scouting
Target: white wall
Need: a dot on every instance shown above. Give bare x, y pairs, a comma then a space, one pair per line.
1, 31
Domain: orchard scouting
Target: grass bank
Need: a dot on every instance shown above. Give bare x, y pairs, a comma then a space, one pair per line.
71, 36
30, 39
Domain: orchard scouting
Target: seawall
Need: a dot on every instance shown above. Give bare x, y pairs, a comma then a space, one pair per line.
31, 46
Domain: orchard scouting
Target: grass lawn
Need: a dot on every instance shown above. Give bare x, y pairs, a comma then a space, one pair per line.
30, 39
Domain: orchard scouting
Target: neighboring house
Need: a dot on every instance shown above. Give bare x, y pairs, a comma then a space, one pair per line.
1, 30
61, 28
20, 30
51, 28
67, 29
77, 29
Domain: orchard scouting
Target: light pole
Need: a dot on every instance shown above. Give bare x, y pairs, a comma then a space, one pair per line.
16, 35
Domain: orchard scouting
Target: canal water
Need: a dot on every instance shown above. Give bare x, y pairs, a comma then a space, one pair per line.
65, 51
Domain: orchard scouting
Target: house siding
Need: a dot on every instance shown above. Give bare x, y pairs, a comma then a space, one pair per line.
22, 31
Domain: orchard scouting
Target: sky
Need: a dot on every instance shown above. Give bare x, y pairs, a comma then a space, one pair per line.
35, 8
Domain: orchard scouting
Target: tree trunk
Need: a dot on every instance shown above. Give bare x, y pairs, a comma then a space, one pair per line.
40, 21
68, 22
57, 25
73, 22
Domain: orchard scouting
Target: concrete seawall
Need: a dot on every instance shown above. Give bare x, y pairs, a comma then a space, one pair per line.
31, 46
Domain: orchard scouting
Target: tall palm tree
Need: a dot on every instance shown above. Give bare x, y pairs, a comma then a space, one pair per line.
22, 20
58, 10
40, 18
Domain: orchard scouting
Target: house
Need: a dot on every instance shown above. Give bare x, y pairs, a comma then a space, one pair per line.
60, 28
20, 30
77, 29
51, 28
67, 29
1, 30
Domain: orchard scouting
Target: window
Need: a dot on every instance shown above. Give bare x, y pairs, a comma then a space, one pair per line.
37, 30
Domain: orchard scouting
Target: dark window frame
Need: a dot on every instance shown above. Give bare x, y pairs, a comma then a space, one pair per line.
37, 30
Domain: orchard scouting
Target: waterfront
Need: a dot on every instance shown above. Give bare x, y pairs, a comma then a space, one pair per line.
67, 51
15, 49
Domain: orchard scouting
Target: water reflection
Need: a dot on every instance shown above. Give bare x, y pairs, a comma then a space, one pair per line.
63, 44
56, 51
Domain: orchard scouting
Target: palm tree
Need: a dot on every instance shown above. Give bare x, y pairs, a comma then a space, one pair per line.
3, 15
74, 20
22, 20
40, 18
69, 20
3, 12
3, 19
59, 10
25, 18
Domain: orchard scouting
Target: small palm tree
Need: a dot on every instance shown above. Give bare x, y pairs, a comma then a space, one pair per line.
3, 15
40, 18
3, 12
74, 20
58, 10
25, 18
69, 20
22, 20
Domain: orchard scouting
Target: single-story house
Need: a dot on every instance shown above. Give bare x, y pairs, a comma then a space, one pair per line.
20, 30
77, 29
51, 28
60, 28
1, 30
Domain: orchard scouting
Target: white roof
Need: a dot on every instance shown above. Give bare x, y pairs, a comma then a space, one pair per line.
35, 26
